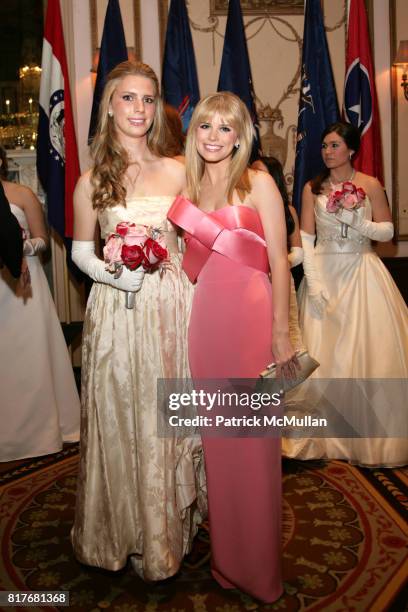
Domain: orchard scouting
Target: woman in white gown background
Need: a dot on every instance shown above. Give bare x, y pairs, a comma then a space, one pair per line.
352, 317
39, 400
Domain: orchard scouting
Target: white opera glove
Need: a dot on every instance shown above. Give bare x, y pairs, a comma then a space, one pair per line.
32, 246
83, 255
315, 288
382, 231
295, 256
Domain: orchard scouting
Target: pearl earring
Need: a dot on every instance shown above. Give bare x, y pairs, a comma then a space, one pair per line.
236, 145
110, 113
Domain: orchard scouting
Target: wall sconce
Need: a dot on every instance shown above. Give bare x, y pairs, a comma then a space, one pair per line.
401, 59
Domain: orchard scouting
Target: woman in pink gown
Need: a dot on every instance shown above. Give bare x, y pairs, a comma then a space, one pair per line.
239, 324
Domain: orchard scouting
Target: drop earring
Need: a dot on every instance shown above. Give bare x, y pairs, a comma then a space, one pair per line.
110, 113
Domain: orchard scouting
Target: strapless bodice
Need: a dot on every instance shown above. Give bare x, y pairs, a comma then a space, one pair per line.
239, 217
231, 231
328, 230
143, 210
21, 218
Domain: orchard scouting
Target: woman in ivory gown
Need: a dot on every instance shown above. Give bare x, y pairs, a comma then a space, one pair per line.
39, 400
138, 493
239, 324
352, 316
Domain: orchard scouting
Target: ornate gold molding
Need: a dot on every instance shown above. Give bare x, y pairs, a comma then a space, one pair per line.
394, 125
94, 28
163, 9
137, 30
260, 7
341, 22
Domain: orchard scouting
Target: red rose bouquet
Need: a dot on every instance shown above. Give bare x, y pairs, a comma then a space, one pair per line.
348, 197
132, 246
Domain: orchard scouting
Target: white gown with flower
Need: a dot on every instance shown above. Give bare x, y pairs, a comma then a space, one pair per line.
39, 403
363, 334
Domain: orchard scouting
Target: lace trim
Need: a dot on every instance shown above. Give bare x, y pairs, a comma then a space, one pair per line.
335, 236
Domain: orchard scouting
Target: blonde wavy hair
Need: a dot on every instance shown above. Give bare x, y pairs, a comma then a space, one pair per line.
110, 158
234, 112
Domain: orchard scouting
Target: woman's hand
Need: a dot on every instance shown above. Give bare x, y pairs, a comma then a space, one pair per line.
284, 355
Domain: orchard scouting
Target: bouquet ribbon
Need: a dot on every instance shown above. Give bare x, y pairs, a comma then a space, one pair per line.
208, 235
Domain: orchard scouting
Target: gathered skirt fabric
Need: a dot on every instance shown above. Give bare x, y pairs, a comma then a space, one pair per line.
139, 494
362, 335
39, 400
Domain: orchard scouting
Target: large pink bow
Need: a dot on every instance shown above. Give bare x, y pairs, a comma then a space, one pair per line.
208, 234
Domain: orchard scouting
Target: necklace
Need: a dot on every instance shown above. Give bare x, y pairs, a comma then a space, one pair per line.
333, 185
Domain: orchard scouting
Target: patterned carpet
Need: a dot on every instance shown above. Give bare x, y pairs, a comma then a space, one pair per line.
344, 540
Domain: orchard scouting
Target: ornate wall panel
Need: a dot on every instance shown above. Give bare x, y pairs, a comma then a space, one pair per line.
399, 29
130, 11
260, 7
275, 48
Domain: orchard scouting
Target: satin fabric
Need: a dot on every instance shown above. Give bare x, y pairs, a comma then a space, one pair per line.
39, 400
230, 337
207, 234
139, 495
362, 334
294, 329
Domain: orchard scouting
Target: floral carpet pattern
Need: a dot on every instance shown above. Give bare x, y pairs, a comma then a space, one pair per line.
344, 545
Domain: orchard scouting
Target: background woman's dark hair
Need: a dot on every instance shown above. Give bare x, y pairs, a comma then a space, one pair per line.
4, 164
351, 137
276, 171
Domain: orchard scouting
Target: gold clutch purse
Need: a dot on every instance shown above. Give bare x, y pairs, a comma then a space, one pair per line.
307, 366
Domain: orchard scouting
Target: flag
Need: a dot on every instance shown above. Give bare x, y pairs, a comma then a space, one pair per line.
57, 154
318, 106
179, 75
235, 72
360, 104
113, 51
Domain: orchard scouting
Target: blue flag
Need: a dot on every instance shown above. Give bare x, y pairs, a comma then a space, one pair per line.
318, 101
113, 51
179, 80
235, 73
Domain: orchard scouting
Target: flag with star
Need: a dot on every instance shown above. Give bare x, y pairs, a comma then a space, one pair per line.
318, 106
57, 154
360, 104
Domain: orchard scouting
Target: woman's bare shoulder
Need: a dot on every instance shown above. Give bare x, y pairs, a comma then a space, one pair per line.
367, 181
84, 184
175, 165
19, 194
260, 180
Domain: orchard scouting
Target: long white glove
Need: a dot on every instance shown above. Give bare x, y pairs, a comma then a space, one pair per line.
32, 246
382, 231
315, 288
295, 256
83, 255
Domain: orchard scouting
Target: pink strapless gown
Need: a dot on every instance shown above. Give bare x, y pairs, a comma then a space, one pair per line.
230, 337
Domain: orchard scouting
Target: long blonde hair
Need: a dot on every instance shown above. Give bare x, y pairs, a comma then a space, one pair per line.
234, 112
110, 158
